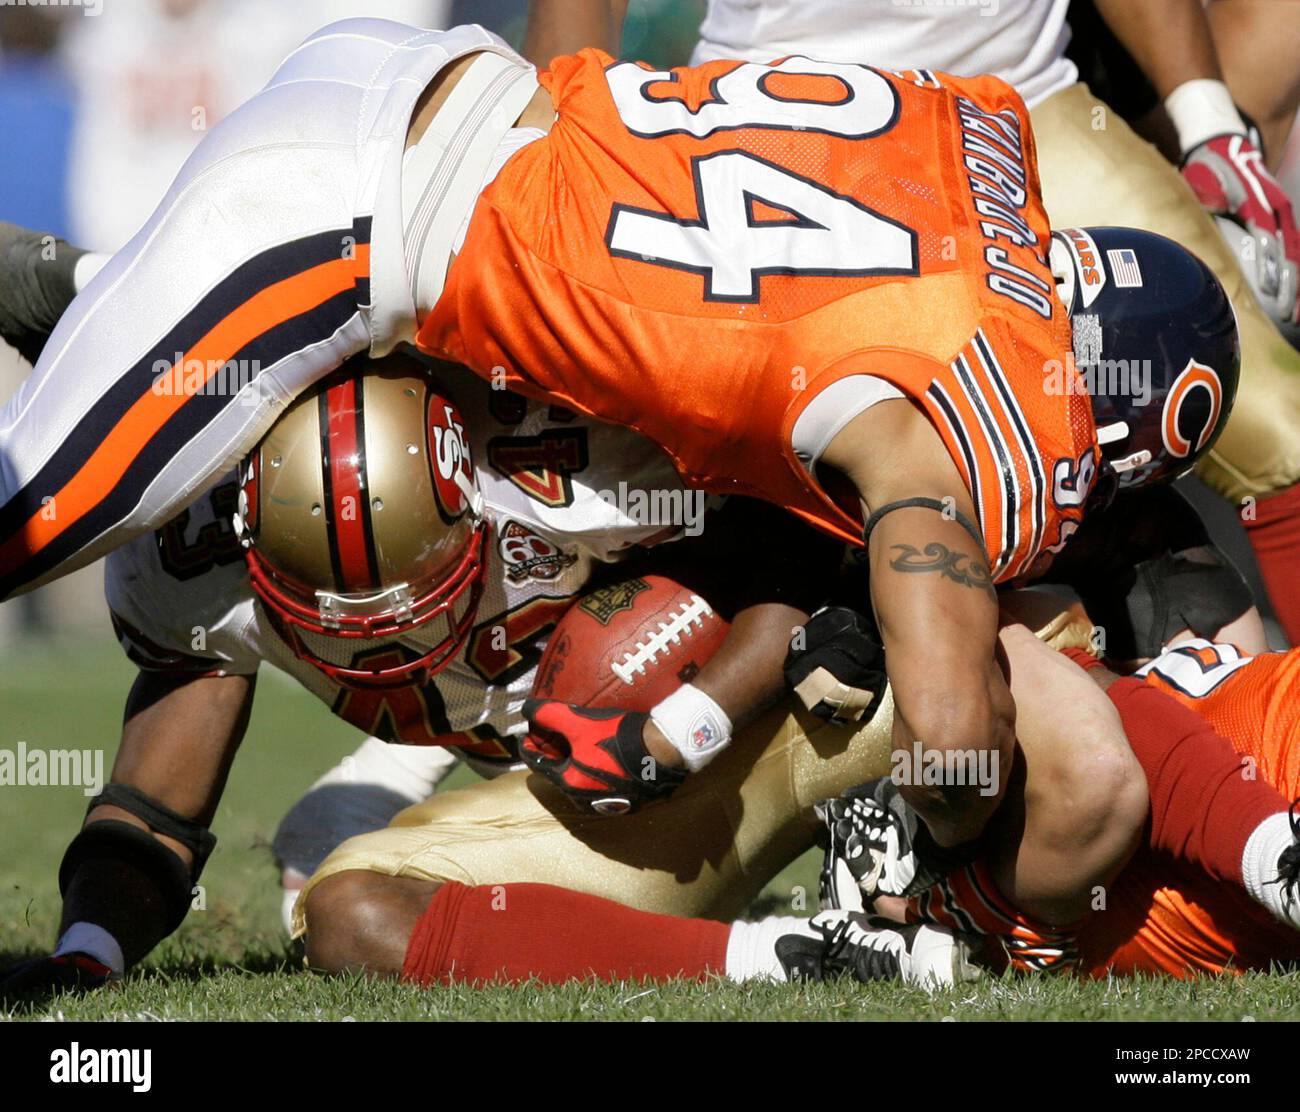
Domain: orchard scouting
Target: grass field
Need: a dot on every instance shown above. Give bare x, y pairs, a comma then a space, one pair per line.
231, 961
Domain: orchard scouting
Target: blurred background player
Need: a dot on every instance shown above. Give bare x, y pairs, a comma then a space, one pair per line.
152, 76
1256, 47
1094, 171
105, 102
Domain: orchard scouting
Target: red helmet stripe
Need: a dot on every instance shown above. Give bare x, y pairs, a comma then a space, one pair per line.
347, 501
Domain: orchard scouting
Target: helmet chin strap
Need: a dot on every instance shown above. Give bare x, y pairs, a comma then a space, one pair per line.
472, 495
1062, 270
1108, 434
1114, 432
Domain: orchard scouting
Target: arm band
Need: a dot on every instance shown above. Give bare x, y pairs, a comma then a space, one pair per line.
925, 504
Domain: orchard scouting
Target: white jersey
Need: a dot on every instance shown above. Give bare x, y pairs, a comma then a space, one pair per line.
181, 599
1021, 41
153, 78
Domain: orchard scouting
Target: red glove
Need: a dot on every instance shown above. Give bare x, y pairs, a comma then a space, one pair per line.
1228, 175
596, 757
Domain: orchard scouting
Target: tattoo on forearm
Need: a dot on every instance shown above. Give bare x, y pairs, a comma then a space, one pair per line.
960, 567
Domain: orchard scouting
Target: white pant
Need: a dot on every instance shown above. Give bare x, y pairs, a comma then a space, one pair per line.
275, 255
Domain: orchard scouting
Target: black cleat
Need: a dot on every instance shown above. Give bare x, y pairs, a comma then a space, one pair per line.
35, 980
802, 958
1288, 864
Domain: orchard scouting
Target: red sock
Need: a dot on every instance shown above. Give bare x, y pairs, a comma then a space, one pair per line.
1203, 809
517, 932
1274, 534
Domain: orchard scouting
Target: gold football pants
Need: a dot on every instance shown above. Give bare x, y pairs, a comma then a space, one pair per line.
706, 851
1096, 170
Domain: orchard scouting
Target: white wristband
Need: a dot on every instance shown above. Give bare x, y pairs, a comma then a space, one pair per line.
696, 726
1202, 109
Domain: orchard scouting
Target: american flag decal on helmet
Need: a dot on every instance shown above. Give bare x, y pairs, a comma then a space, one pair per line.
1124, 268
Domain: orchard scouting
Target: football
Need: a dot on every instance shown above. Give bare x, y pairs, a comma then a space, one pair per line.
629, 645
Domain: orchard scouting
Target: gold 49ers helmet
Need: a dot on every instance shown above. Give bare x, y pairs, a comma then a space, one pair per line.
361, 519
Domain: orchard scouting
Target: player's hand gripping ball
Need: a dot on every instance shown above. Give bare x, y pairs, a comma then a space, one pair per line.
595, 756
614, 656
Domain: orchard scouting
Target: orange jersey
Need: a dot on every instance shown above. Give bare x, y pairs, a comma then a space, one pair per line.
1166, 916
699, 253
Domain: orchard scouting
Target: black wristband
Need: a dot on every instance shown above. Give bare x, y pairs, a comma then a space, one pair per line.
925, 504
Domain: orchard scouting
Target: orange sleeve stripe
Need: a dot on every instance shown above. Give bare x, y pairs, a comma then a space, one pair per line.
105, 467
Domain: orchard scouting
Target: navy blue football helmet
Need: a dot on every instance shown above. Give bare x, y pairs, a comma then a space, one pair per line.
1155, 339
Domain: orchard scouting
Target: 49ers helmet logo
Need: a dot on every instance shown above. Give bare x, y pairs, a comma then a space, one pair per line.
449, 459
1192, 408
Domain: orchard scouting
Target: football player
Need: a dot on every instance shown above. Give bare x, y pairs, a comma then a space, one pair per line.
407, 579
782, 275
1162, 63
376, 895
1184, 903
189, 584
205, 634
1231, 901
1214, 888
1258, 45
1094, 170
474, 872
378, 902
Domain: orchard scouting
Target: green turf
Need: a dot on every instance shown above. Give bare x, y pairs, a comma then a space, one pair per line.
230, 961
260, 991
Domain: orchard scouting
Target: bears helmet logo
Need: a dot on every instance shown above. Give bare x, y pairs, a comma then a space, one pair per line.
1191, 410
